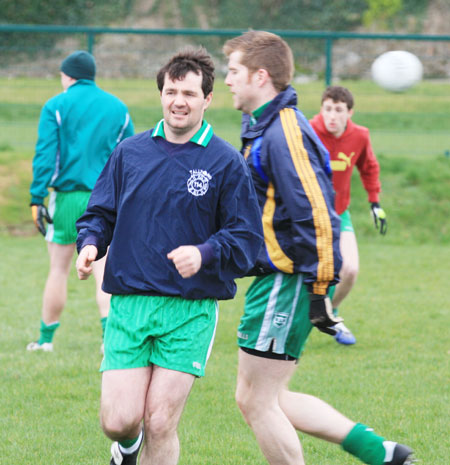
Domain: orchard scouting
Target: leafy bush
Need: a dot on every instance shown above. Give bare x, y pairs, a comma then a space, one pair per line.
54, 12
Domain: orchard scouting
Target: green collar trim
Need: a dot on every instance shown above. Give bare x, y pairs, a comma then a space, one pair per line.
201, 137
258, 112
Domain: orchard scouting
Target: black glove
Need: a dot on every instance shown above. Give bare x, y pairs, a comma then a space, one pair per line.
39, 214
321, 314
379, 216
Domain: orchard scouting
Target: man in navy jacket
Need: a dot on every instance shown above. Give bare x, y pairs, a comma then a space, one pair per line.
177, 208
299, 261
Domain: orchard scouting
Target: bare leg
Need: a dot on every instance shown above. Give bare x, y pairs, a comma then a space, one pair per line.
166, 399
103, 299
55, 292
350, 267
123, 402
274, 413
313, 416
260, 381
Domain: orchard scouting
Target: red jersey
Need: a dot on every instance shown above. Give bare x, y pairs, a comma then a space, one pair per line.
352, 148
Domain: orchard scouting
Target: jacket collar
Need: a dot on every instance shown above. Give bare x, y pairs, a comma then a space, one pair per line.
286, 98
201, 137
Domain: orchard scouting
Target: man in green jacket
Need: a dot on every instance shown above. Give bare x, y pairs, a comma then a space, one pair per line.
78, 129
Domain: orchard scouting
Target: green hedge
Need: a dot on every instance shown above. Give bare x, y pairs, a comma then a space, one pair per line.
54, 12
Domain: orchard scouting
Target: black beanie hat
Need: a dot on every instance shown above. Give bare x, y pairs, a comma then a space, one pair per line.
79, 65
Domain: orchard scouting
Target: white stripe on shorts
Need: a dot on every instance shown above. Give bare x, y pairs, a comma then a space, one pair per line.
263, 340
214, 333
51, 211
268, 316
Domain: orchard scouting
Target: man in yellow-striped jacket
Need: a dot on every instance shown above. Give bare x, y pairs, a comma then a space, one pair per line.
296, 266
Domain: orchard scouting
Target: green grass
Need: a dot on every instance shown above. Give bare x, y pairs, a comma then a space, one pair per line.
415, 195
412, 123
395, 379
410, 133
415, 198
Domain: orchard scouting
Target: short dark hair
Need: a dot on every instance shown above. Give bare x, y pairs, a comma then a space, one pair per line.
262, 49
338, 94
198, 61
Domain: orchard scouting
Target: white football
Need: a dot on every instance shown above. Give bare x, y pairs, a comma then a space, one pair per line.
397, 71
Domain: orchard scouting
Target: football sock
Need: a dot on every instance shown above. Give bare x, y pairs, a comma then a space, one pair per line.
47, 332
331, 292
363, 443
128, 446
389, 446
103, 323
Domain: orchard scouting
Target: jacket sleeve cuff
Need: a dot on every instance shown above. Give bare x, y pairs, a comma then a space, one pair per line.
318, 287
89, 240
37, 200
207, 253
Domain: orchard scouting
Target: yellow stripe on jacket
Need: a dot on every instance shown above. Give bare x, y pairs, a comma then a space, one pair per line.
321, 218
276, 254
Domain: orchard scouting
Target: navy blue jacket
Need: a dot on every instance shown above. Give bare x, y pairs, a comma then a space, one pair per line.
295, 194
149, 200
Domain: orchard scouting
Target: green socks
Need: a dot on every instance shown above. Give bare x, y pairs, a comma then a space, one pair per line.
103, 323
363, 443
128, 446
331, 292
47, 332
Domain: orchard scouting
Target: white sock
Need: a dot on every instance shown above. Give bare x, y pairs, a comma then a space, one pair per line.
389, 447
133, 448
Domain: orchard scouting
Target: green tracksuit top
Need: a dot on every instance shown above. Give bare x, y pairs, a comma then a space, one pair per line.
78, 130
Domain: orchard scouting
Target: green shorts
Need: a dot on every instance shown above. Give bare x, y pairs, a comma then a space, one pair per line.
276, 315
170, 332
346, 221
65, 208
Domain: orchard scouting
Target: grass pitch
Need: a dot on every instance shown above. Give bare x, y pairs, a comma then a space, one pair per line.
394, 379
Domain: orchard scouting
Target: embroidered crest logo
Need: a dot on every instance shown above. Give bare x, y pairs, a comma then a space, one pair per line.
198, 183
280, 319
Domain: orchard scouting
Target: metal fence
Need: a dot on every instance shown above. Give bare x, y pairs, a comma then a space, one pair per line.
131, 52
320, 56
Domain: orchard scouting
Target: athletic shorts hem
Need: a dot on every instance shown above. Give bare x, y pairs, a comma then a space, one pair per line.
111, 367
193, 371
58, 241
346, 221
268, 354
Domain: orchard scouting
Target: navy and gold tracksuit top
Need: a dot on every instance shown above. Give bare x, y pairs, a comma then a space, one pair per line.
295, 194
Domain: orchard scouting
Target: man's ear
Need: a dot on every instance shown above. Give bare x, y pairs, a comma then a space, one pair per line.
208, 100
262, 76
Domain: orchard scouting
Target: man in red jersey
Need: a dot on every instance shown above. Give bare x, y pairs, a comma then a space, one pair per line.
349, 145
